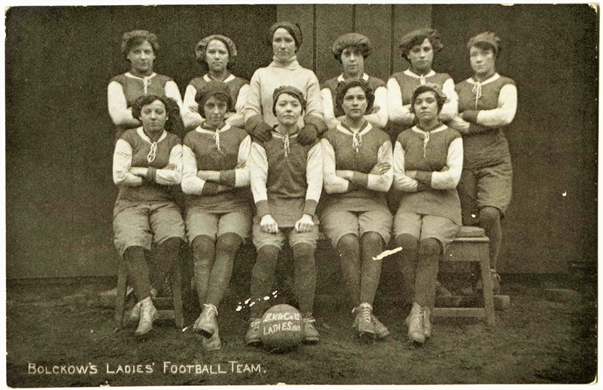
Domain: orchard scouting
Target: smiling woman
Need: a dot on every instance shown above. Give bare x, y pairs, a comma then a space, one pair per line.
140, 48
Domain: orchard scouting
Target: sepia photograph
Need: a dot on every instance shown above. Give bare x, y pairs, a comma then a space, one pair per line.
301, 194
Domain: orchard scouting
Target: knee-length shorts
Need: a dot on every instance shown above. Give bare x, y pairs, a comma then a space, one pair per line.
201, 222
337, 224
143, 224
422, 226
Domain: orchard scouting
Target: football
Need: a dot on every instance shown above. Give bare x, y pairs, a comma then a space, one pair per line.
281, 327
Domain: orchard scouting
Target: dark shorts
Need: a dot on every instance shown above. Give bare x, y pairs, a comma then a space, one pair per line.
337, 224
485, 187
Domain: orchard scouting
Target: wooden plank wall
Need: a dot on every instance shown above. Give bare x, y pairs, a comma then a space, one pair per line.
59, 60
384, 25
59, 191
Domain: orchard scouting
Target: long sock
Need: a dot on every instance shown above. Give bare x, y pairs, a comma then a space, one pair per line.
489, 218
262, 278
372, 245
305, 277
203, 259
226, 249
430, 252
138, 271
349, 253
408, 262
168, 253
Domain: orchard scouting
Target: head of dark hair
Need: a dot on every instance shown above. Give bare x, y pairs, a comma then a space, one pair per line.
344, 87
171, 108
131, 39
429, 87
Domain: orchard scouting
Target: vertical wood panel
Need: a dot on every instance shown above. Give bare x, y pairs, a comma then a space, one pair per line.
331, 22
374, 21
303, 15
407, 18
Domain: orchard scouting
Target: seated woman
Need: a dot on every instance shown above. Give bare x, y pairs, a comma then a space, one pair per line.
286, 182
216, 54
351, 50
146, 162
140, 47
218, 212
428, 161
357, 175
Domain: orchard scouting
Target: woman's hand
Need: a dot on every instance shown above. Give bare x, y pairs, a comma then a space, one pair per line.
137, 171
268, 224
345, 174
305, 224
209, 175
380, 169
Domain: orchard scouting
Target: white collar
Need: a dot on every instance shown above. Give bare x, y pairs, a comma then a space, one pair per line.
365, 77
365, 130
201, 130
128, 74
410, 73
492, 78
436, 130
226, 80
142, 135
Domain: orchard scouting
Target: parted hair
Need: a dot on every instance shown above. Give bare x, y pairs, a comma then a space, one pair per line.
343, 88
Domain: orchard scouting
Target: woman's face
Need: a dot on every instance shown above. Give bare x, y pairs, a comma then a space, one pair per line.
288, 109
215, 110
354, 103
421, 57
216, 56
482, 61
426, 107
283, 44
141, 58
153, 117
352, 61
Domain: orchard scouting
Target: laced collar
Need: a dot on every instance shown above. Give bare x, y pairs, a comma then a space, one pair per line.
477, 86
215, 133
153, 151
427, 135
421, 77
146, 80
356, 134
285, 138
208, 78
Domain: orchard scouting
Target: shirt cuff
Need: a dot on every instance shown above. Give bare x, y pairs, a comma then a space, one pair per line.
262, 207
470, 115
228, 178
310, 207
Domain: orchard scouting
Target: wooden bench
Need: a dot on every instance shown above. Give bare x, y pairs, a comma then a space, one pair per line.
174, 312
471, 244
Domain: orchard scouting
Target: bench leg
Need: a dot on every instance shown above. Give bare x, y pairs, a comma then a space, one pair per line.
120, 298
487, 286
177, 296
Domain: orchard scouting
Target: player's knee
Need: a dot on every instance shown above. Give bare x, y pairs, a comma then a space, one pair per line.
489, 215
408, 242
430, 246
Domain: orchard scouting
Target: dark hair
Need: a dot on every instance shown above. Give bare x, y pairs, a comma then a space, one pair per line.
134, 38
289, 90
342, 89
292, 28
201, 48
429, 87
171, 108
488, 46
220, 96
417, 37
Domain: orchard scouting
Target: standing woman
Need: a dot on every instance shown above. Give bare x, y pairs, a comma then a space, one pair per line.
217, 54
428, 161
418, 48
147, 161
285, 38
286, 182
357, 175
140, 48
218, 213
487, 103
351, 50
